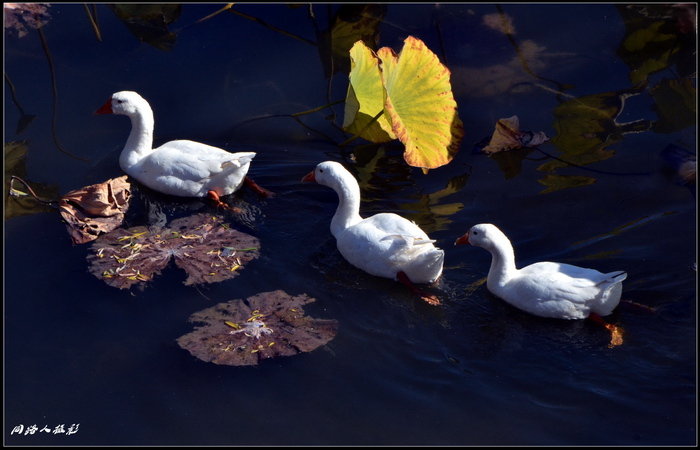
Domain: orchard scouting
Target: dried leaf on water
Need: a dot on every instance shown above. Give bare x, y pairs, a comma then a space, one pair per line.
93, 210
21, 16
202, 245
507, 136
266, 325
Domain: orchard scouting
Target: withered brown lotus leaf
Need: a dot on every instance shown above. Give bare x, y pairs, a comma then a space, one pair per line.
202, 245
266, 325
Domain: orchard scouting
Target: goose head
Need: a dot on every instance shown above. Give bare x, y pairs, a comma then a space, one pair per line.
327, 173
127, 103
484, 235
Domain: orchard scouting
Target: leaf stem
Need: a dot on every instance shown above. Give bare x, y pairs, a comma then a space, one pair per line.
355, 136
13, 93
52, 70
590, 169
273, 28
93, 20
225, 8
13, 178
309, 111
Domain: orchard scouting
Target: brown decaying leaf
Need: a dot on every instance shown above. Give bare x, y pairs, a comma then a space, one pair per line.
244, 332
202, 245
507, 136
96, 209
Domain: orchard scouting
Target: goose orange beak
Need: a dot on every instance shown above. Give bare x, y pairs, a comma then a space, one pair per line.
309, 178
106, 108
463, 240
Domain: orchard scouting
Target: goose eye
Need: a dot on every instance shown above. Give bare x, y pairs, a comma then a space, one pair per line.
475, 232
120, 101
320, 170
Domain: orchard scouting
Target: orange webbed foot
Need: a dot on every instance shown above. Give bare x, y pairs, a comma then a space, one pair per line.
214, 197
261, 191
426, 297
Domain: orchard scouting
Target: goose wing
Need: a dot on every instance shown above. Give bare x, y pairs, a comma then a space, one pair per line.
193, 161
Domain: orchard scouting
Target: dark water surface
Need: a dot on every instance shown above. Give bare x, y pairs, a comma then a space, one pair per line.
473, 371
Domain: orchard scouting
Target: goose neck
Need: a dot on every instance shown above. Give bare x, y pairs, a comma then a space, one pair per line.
140, 141
502, 264
348, 211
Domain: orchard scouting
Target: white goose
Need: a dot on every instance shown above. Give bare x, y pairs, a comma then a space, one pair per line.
181, 168
547, 289
386, 244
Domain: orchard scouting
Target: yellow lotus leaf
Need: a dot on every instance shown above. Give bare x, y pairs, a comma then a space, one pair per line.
365, 98
420, 104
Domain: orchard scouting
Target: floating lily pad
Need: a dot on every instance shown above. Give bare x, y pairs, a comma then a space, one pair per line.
507, 136
244, 332
202, 245
96, 209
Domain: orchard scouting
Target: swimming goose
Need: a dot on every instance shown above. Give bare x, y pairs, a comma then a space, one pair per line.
386, 244
546, 289
182, 168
